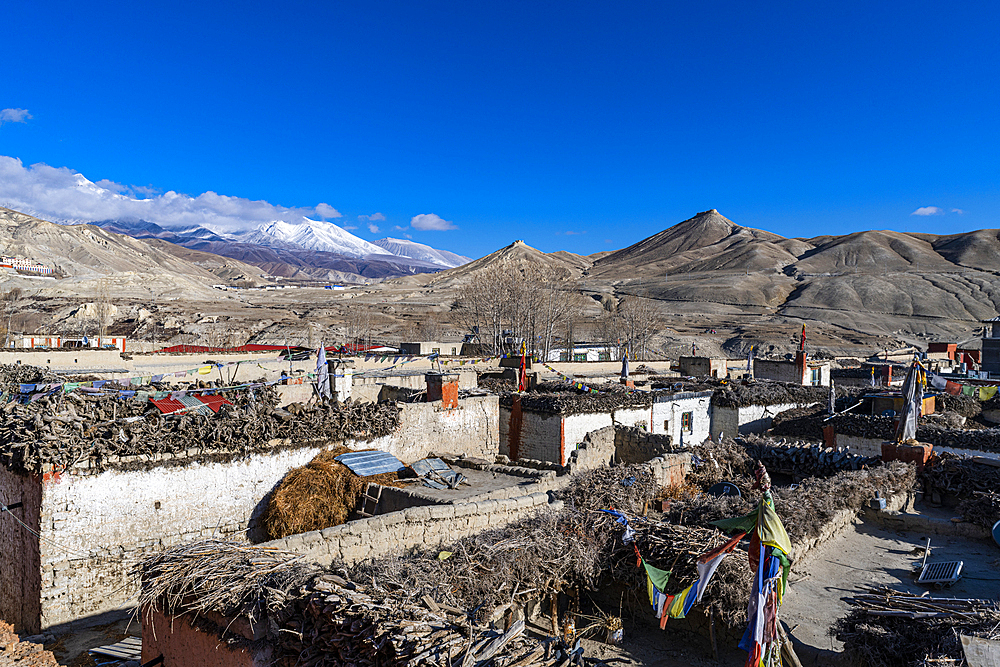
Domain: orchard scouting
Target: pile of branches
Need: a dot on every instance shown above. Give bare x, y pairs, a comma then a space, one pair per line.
318, 618
987, 439
531, 558
804, 459
807, 509
967, 406
563, 398
13, 375
768, 392
983, 509
958, 476
875, 427
497, 385
726, 461
628, 488
801, 422
69, 429
804, 510
886, 628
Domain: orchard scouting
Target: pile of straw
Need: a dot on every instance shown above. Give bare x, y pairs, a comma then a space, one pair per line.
318, 495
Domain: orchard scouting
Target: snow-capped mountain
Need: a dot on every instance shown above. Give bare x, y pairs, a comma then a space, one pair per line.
308, 235
424, 253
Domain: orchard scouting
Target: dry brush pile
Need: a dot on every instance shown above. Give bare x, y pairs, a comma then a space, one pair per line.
804, 510
766, 392
318, 618
886, 628
67, 429
958, 476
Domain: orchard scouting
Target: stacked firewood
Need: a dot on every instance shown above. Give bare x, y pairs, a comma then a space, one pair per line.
337, 622
962, 477
804, 459
316, 618
68, 429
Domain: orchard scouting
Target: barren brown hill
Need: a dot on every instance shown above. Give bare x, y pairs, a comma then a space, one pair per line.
84, 254
707, 242
873, 252
517, 253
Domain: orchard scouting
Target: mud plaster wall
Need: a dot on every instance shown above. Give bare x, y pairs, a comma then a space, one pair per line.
472, 429
428, 526
20, 558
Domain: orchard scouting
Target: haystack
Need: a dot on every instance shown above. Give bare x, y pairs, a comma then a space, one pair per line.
318, 495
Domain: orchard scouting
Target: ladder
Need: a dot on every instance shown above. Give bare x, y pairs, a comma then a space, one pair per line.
369, 502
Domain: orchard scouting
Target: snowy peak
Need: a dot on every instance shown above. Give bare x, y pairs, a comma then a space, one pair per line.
309, 235
419, 251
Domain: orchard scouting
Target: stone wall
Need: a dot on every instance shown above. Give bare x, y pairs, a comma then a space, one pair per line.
596, 450
634, 445
858, 445
423, 527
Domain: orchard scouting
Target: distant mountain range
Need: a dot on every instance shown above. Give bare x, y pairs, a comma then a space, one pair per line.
311, 249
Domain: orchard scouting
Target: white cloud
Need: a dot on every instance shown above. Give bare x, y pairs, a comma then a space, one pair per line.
374, 217
958, 210
572, 233
373, 228
349, 228
928, 210
327, 211
431, 222
63, 195
14, 116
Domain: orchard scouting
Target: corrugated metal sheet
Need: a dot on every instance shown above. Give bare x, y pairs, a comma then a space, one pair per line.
214, 402
364, 464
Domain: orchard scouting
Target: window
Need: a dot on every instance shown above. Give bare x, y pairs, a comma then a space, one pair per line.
454, 351
580, 356
815, 377
435, 350
603, 356
666, 426
687, 422
564, 356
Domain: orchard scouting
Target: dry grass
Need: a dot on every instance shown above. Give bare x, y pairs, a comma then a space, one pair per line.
318, 495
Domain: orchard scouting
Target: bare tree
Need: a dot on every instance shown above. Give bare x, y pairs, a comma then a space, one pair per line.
104, 310
629, 327
11, 301
509, 305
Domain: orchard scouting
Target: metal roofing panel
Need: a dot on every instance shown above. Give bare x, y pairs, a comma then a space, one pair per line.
214, 402
168, 405
196, 405
374, 462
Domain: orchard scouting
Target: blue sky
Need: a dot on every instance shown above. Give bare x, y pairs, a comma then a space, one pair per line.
578, 126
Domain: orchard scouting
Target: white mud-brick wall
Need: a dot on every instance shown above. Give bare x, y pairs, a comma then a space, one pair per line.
95, 527
858, 445
747, 419
471, 429
575, 430
640, 417
668, 417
